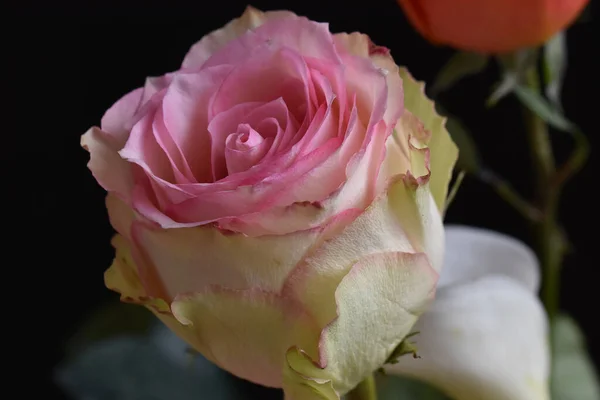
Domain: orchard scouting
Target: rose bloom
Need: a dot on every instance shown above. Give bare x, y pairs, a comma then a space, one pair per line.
491, 26
278, 201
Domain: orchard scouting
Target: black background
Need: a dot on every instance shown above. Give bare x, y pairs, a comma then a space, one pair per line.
69, 62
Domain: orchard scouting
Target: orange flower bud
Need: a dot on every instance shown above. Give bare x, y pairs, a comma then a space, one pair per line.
491, 26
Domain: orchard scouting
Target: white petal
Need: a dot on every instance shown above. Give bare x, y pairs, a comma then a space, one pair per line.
483, 340
472, 253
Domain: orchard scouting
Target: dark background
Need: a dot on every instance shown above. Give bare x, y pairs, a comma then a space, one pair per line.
69, 62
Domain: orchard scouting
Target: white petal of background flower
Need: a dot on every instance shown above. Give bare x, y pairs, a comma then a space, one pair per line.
474, 252
485, 336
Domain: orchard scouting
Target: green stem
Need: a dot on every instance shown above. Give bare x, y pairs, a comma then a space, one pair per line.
510, 195
550, 246
366, 390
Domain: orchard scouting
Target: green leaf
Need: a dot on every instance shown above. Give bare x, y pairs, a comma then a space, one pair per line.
536, 103
554, 117
555, 66
405, 347
151, 367
109, 320
460, 65
401, 388
468, 155
502, 89
573, 373
454, 188
514, 68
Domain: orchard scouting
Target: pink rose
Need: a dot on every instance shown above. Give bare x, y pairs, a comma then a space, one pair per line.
259, 190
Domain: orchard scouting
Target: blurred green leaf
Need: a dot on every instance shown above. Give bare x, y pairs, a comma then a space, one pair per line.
536, 103
555, 66
468, 155
460, 65
554, 117
404, 348
111, 319
514, 68
152, 367
454, 188
573, 373
401, 388
502, 89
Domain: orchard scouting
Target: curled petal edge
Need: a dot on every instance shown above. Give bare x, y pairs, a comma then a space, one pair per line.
299, 377
124, 278
442, 150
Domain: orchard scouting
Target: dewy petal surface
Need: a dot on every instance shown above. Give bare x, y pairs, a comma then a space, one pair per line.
485, 336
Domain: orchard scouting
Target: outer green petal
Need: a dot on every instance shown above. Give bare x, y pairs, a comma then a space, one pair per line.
369, 327
123, 278
404, 219
189, 259
375, 254
443, 151
247, 332
574, 375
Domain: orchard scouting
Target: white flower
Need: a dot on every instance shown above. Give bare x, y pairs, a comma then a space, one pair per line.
486, 335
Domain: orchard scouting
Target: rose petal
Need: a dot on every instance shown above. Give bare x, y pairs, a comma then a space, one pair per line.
156, 84
111, 171
188, 260
118, 119
247, 331
241, 156
120, 214
270, 192
308, 38
142, 149
270, 74
404, 284
123, 278
181, 170
186, 116
358, 44
221, 126
404, 219
443, 151
214, 41
323, 94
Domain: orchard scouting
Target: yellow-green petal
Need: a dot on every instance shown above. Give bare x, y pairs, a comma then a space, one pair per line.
303, 380
247, 332
443, 151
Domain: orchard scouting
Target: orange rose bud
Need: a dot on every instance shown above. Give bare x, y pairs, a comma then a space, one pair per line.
491, 26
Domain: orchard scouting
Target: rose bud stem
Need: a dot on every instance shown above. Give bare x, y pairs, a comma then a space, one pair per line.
366, 390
